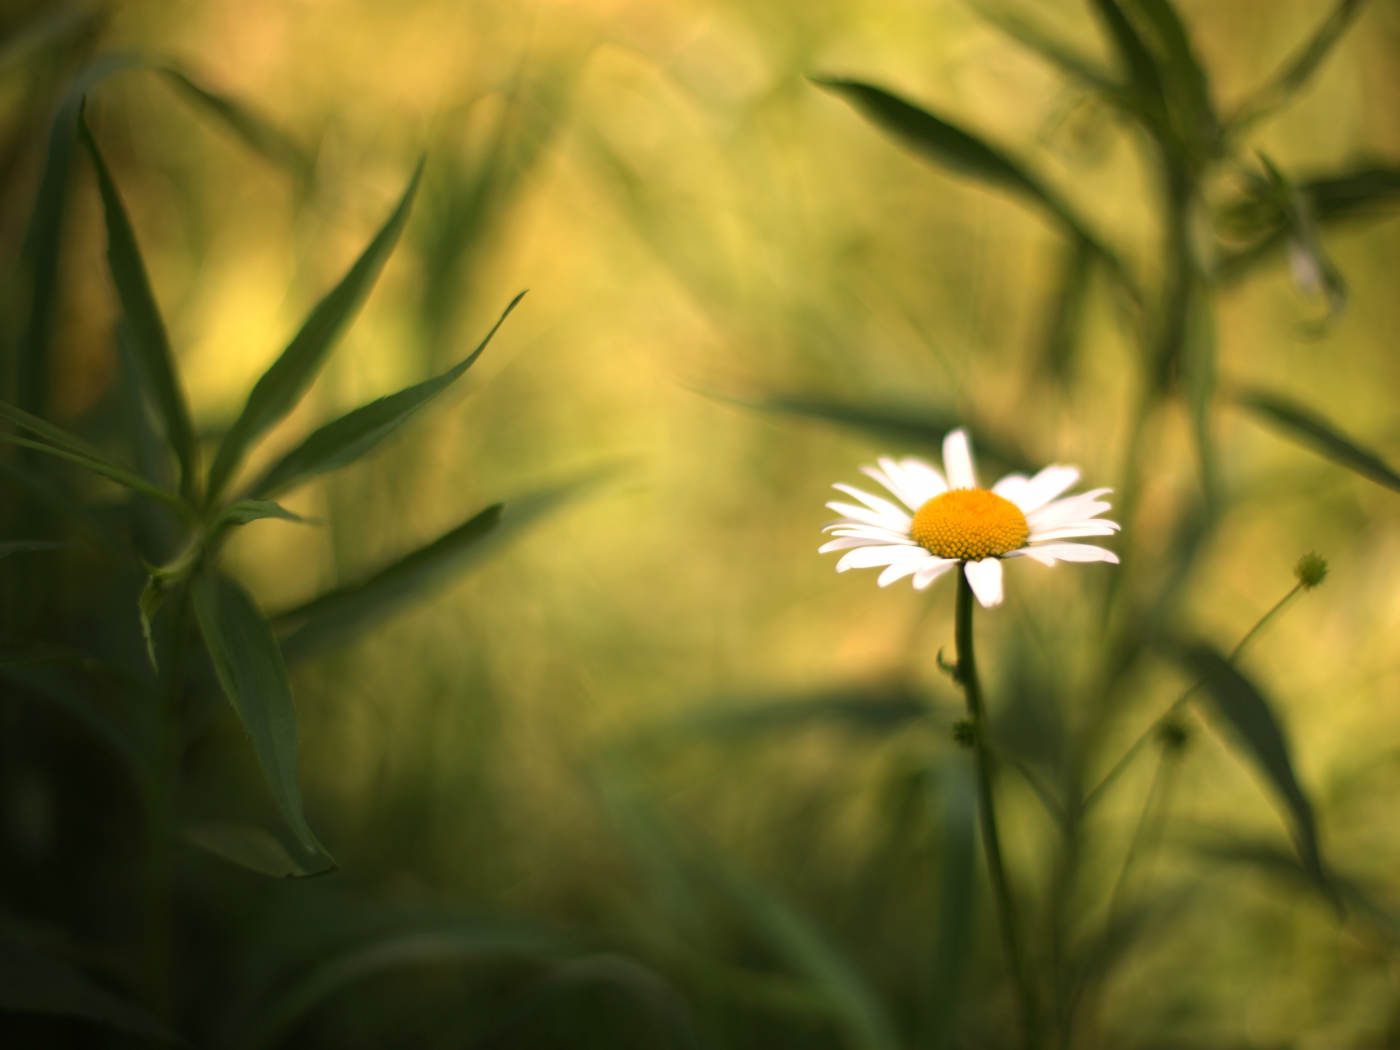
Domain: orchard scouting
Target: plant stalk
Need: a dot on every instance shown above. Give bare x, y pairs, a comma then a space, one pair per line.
986, 808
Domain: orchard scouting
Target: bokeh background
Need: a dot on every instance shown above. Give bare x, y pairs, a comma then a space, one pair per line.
658, 723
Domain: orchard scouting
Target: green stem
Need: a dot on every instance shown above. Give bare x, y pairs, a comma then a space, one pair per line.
1234, 653
991, 840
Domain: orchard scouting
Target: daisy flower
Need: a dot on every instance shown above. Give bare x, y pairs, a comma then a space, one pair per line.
950, 521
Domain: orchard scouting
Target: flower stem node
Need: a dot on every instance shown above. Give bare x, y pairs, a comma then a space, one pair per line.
1173, 735
966, 733
949, 667
1311, 570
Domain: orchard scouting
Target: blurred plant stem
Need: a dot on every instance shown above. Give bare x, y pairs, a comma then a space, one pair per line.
986, 808
160, 804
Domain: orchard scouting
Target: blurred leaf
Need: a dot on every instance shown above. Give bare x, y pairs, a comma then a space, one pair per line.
1252, 717
1133, 55
32, 981
257, 134
44, 237
907, 424
1058, 54
249, 666
148, 336
443, 942
352, 435
797, 940
1340, 891
1189, 84
50, 24
345, 611
76, 450
1198, 375
15, 546
282, 385
876, 709
248, 846
246, 510
1307, 428
1299, 69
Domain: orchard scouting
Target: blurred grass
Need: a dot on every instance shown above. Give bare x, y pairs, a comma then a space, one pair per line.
692, 218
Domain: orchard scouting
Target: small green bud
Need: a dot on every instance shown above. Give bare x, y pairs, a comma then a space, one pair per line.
949, 668
1310, 570
965, 732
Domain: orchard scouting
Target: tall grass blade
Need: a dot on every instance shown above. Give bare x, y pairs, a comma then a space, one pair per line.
1298, 70
342, 442
1308, 428
248, 846
282, 385
254, 678
1252, 717
148, 340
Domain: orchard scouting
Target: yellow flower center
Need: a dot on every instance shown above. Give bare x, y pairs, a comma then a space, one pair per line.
969, 525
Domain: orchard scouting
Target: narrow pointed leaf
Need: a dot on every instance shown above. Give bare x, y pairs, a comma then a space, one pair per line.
1136, 60
33, 981
961, 152
246, 510
352, 435
248, 846
1306, 427
257, 133
283, 385
336, 616
65, 445
148, 340
1252, 718
1188, 80
1299, 69
254, 678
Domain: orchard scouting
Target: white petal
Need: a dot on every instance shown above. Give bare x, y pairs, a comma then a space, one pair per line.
869, 557
985, 578
1044, 487
870, 532
902, 568
1010, 487
875, 503
847, 542
1049, 553
898, 482
1078, 528
928, 573
869, 517
1071, 508
923, 481
957, 461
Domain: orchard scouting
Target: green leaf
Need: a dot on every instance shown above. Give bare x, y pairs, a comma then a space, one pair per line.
1188, 82
961, 152
246, 510
1252, 717
1067, 305
148, 337
250, 669
282, 385
146, 328
1298, 70
44, 237
345, 611
807, 950
15, 546
257, 134
442, 942
33, 981
907, 424
248, 846
74, 449
352, 435
1308, 428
